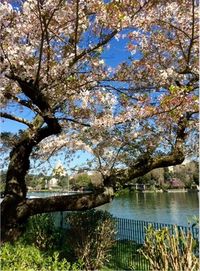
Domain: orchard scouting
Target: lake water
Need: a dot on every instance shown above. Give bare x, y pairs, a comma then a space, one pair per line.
171, 208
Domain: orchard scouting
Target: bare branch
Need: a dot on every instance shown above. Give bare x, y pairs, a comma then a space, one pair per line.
15, 118
181, 47
176, 156
95, 47
76, 27
117, 154
75, 121
48, 46
175, 27
32, 92
41, 45
27, 104
46, 31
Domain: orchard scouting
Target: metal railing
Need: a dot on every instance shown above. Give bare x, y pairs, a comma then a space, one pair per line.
129, 238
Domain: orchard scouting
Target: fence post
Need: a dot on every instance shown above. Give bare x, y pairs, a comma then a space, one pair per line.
61, 220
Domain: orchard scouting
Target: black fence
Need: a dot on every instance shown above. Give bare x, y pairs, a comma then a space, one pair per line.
129, 238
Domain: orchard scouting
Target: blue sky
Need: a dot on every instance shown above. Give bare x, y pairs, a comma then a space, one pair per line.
118, 52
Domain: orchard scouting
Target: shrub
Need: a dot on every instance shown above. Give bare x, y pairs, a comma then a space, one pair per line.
20, 257
42, 232
166, 251
91, 235
125, 256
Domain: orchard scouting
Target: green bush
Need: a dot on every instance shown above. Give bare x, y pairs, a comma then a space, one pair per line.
42, 232
91, 236
20, 257
166, 251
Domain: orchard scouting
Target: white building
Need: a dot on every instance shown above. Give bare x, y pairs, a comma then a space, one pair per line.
53, 183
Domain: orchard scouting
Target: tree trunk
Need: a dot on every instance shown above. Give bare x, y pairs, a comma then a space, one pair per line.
15, 190
13, 216
20, 211
16, 208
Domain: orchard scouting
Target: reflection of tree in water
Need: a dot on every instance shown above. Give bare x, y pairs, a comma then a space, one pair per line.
155, 206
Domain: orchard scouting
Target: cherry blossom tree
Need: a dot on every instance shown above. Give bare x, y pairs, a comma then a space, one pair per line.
132, 119
153, 129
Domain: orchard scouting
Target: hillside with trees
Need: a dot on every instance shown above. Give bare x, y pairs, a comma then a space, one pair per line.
188, 174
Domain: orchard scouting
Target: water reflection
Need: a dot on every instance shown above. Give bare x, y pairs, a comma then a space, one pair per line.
172, 208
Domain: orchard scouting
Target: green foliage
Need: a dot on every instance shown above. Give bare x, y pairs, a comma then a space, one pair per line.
42, 232
166, 251
40, 248
2, 186
21, 257
167, 174
96, 180
196, 178
165, 186
37, 181
91, 236
31, 180
81, 180
144, 179
125, 256
3, 176
121, 192
63, 181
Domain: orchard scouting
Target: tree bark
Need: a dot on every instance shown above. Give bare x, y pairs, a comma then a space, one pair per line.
16, 208
16, 190
71, 202
146, 164
20, 211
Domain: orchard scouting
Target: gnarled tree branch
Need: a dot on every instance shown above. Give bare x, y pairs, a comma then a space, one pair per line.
15, 118
146, 164
78, 202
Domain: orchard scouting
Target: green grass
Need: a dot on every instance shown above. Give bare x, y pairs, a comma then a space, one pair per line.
125, 256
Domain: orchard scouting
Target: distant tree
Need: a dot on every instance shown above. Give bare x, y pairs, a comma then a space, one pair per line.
146, 179
41, 182
2, 180
96, 180
63, 181
81, 180
32, 180
196, 178
187, 173
158, 175
167, 174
